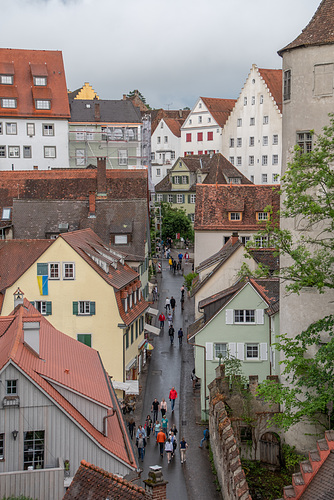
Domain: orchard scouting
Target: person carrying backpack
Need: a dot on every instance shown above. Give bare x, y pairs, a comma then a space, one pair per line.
206, 436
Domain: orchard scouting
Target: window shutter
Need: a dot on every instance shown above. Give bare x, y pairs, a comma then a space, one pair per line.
183, 198
263, 352
173, 179
42, 269
174, 198
164, 197
209, 351
48, 308
241, 351
75, 308
259, 316
232, 347
92, 308
229, 316
188, 198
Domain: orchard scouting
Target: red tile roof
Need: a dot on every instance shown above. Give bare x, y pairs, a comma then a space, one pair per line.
16, 256
273, 80
175, 125
70, 363
215, 201
96, 484
319, 31
170, 114
23, 64
220, 109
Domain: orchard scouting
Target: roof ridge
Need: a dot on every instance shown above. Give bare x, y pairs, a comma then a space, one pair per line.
116, 478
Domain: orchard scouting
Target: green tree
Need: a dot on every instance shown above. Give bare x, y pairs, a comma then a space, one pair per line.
308, 190
133, 93
175, 220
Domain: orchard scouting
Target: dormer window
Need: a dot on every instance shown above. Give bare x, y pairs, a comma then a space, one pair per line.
235, 216
40, 81
6, 213
234, 180
9, 103
262, 216
42, 104
6, 79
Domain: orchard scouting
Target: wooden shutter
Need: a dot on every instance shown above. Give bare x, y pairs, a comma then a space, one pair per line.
174, 198
241, 351
92, 308
209, 351
42, 269
232, 347
229, 316
259, 316
48, 308
263, 351
164, 197
188, 198
75, 308
183, 199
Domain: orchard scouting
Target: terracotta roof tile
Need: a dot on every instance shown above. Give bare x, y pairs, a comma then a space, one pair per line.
319, 31
214, 202
220, 171
65, 361
96, 484
23, 64
175, 125
273, 80
220, 109
170, 114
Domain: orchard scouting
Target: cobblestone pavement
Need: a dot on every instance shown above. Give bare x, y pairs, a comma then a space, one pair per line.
172, 366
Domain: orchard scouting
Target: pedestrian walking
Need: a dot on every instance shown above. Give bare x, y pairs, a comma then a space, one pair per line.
172, 303
155, 409
131, 427
194, 378
141, 447
157, 428
148, 426
186, 257
180, 257
164, 424
172, 397
206, 436
170, 317
170, 262
161, 438
174, 430
169, 450
182, 302
171, 334
182, 291
173, 439
163, 407
180, 336
162, 319
174, 266
167, 304
155, 293
183, 449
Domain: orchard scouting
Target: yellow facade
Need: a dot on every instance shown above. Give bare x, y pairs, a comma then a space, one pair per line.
88, 285
87, 92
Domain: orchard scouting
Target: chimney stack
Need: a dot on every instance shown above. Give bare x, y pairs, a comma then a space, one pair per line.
102, 176
92, 204
155, 485
97, 113
234, 238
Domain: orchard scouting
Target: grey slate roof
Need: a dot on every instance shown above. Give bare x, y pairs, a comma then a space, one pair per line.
122, 111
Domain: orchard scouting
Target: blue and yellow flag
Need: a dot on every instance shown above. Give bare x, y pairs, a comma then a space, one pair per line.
43, 278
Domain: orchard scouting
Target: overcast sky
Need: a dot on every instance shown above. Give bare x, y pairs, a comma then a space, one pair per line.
173, 51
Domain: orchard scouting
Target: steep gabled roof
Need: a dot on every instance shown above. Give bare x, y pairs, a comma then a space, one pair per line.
221, 171
179, 115
319, 31
23, 65
175, 125
220, 109
96, 484
273, 80
65, 361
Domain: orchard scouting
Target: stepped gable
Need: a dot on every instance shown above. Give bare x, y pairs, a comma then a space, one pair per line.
315, 479
319, 31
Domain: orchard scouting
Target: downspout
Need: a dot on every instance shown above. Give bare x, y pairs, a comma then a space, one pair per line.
270, 353
203, 347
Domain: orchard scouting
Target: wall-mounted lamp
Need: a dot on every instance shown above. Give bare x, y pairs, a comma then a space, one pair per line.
15, 433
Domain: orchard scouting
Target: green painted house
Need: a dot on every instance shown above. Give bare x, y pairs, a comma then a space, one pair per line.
179, 185
241, 321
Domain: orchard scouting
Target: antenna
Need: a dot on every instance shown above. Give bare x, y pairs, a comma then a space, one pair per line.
168, 105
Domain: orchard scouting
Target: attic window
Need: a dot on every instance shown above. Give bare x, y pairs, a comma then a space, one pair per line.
42, 104
235, 216
234, 180
261, 216
6, 213
121, 239
40, 81
6, 79
9, 103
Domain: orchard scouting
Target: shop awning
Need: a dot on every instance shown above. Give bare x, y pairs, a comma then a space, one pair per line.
141, 343
131, 364
152, 329
130, 386
152, 311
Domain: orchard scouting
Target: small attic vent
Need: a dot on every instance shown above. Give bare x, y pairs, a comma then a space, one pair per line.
63, 226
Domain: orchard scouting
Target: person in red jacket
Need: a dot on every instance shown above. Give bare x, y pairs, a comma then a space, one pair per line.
162, 319
172, 397
161, 438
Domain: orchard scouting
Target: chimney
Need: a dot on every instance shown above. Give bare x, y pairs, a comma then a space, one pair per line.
101, 176
31, 334
124, 97
234, 238
97, 114
155, 485
180, 113
92, 204
18, 298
